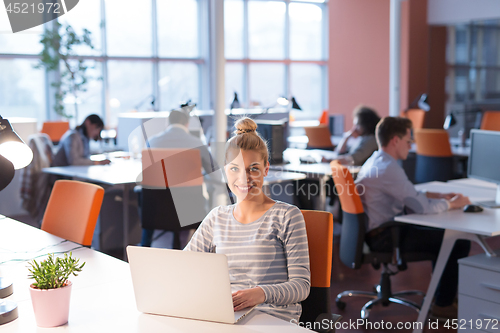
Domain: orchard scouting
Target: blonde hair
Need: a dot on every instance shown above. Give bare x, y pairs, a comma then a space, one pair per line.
246, 138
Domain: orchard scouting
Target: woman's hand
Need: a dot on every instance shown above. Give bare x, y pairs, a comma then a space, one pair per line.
248, 297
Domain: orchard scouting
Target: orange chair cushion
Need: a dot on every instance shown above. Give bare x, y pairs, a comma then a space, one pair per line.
319, 227
55, 129
417, 117
346, 189
491, 121
319, 136
433, 142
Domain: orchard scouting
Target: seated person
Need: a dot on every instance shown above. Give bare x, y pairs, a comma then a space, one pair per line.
364, 122
265, 241
74, 144
177, 136
387, 192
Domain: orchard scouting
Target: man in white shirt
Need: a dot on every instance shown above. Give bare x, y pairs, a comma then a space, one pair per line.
387, 192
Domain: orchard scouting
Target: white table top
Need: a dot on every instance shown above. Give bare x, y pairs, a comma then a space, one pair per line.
102, 298
485, 223
473, 182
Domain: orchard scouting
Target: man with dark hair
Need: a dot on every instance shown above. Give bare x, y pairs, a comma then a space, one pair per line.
387, 192
74, 145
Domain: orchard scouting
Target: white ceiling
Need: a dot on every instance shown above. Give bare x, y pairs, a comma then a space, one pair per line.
446, 12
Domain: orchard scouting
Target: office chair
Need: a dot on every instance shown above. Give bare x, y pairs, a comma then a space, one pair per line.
319, 137
317, 306
353, 252
170, 174
55, 129
417, 117
491, 121
72, 210
434, 160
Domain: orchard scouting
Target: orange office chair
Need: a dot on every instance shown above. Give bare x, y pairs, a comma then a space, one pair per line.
170, 175
417, 117
491, 121
55, 129
317, 306
353, 252
319, 137
72, 210
434, 160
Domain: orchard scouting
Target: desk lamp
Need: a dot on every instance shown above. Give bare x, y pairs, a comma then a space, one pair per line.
14, 154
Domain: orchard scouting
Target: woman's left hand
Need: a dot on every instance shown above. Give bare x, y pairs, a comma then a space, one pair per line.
248, 297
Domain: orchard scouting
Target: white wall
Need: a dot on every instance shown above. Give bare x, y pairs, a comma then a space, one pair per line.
446, 12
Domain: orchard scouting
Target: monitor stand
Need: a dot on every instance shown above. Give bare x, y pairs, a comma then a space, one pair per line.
492, 204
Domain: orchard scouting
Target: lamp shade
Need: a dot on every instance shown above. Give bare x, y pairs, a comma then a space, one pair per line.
6, 172
449, 121
12, 147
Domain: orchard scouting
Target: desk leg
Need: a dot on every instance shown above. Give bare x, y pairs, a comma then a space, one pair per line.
450, 236
322, 193
126, 190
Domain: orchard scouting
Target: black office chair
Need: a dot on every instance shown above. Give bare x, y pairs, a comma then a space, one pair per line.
353, 252
434, 160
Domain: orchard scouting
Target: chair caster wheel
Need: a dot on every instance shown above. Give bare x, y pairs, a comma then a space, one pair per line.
341, 305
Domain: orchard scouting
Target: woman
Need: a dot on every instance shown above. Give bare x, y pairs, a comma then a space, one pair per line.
265, 241
74, 145
364, 122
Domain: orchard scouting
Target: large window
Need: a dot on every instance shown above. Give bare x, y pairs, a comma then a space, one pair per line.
474, 63
275, 49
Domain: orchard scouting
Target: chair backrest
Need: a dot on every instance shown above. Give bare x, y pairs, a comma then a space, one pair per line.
491, 121
72, 210
319, 137
319, 228
417, 117
432, 142
354, 219
323, 119
55, 129
164, 168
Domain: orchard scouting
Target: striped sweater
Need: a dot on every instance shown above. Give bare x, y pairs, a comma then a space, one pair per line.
270, 252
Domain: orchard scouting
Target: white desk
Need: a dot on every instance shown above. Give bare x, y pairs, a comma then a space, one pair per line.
127, 173
473, 182
102, 298
457, 225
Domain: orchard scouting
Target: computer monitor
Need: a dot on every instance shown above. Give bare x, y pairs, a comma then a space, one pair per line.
484, 160
274, 132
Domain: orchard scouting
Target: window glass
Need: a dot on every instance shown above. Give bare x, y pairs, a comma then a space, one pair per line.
22, 92
177, 28
233, 29
234, 83
266, 29
305, 31
23, 42
267, 83
306, 87
86, 15
128, 25
90, 100
130, 84
178, 83
461, 53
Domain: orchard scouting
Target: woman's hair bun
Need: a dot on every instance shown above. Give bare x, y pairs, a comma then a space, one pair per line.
245, 125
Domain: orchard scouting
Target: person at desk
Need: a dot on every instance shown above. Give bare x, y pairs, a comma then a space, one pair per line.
74, 144
265, 241
177, 136
387, 192
365, 120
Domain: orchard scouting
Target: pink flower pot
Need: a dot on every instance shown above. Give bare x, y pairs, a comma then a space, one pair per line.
51, 306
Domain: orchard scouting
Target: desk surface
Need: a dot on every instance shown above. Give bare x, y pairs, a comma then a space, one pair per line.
102, 298
486, 223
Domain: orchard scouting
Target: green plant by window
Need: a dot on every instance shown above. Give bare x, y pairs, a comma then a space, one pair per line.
53, 272
58, 50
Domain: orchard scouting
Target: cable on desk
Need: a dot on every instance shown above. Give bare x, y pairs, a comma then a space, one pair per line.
41, 255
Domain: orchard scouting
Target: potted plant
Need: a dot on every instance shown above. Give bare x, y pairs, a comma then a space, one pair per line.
50, 293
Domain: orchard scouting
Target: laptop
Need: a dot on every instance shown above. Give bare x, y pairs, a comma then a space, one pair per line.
185, 284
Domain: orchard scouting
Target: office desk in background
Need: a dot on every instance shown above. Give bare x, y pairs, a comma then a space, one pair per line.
102, 298
458, 225
126, 173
